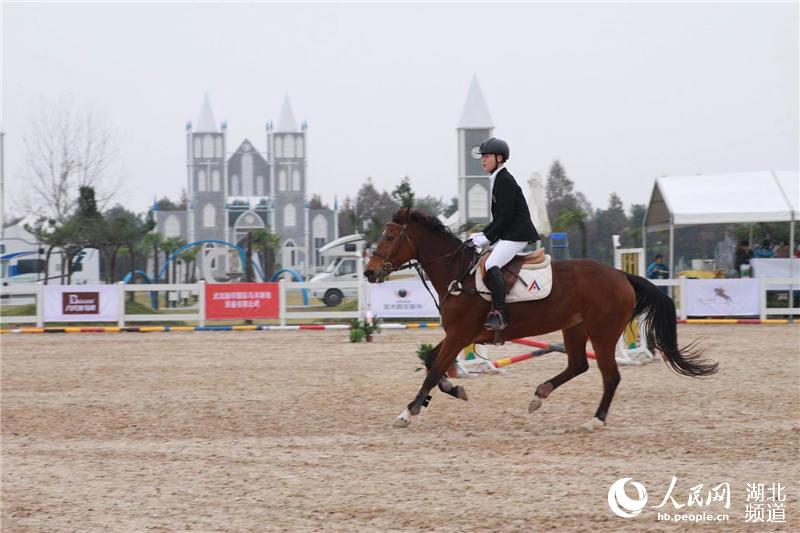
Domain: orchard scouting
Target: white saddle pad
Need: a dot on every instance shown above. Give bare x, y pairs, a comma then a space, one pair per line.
538, 283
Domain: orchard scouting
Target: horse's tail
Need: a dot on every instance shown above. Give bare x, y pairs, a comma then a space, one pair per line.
657, 311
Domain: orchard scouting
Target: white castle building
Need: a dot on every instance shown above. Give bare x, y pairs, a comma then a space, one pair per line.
233, 192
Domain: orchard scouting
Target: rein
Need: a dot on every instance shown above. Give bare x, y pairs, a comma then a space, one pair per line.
418, 265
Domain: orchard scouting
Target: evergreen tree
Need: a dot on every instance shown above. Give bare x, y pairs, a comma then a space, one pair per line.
403, 194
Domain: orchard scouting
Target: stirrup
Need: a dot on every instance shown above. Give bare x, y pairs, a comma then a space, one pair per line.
500, 318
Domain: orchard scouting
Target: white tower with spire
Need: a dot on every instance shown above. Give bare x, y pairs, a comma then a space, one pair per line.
287, 143
206, 177
474, 126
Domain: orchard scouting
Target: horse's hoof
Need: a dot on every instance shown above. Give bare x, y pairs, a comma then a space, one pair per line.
535, 404
403, 420
591, 425
461, 393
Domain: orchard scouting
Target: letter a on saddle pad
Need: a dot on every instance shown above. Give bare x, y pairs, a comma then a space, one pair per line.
535, 280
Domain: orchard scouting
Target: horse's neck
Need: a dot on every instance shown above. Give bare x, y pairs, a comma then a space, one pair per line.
442, 261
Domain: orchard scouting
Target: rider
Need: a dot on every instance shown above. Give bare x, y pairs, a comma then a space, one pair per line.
511, 228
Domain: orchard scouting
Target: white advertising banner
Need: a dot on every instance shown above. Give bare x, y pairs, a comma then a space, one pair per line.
722, 297
396, 299
776, 267
81, 303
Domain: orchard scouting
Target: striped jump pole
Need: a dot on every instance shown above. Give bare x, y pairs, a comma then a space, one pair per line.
544, 348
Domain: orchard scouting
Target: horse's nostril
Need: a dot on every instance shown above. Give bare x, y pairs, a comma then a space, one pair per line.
368, 273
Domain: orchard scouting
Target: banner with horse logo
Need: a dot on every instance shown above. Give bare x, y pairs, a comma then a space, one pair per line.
722, 297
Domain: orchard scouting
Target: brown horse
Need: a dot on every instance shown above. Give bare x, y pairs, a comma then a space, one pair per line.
589, 300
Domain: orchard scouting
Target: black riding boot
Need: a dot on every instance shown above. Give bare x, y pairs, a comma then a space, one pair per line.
497, 317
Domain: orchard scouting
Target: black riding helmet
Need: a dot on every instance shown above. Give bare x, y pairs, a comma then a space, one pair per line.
493, 145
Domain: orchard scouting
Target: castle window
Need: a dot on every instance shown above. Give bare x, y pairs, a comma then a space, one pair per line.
172, 227
259, 185
235, 185
219, 146
282, 180
209, 216
201, 180
320, 227
289, 216
208, 146
288, 146
299, 147
198, 146
477, 202
247, 174
278, 146
215, 181
295, 180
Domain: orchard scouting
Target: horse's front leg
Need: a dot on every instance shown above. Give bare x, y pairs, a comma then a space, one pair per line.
446, 354
456, 391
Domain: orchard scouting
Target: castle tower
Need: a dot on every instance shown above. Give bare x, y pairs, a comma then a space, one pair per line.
287, 148
473, 183
206, 187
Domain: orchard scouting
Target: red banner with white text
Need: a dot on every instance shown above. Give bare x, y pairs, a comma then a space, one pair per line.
242, 300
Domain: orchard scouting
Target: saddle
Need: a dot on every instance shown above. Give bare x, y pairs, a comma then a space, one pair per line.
512, 269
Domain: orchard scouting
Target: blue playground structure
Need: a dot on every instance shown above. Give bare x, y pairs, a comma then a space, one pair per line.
296, 276
242, 255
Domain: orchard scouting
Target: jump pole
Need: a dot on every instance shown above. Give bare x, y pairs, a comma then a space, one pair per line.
545, 348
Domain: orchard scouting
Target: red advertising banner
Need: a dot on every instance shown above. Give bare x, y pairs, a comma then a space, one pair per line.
242, 300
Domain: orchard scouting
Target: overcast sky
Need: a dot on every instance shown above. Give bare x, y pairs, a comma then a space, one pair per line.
620, 93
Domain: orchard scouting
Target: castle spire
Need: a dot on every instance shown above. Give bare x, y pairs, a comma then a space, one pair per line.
475, 114
206, 122
286, 122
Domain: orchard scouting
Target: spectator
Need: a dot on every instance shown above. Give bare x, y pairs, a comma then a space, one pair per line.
765, 250
783, 250
657, 269
743, 255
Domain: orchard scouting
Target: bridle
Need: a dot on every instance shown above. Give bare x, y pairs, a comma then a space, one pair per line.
388, 265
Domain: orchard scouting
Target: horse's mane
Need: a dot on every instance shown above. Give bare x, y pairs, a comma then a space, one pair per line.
405, 215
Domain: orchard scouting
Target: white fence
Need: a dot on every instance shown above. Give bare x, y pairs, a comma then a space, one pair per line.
678, 289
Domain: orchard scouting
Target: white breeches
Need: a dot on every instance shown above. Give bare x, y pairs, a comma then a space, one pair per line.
503, 252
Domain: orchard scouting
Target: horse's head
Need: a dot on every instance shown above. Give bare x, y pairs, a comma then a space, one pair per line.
393, 249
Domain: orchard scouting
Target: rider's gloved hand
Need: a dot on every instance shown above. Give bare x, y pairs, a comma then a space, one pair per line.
480, 240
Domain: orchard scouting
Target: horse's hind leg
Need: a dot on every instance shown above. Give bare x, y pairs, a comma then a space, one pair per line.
575, 342
456, 391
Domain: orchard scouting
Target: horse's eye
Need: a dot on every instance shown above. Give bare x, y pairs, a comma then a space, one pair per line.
390, 237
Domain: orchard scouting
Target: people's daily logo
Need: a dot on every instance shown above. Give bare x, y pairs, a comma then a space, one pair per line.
623, 505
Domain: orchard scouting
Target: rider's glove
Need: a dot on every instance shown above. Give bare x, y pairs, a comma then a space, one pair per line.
479, 240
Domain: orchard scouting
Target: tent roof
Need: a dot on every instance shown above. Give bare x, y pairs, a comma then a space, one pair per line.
746, 197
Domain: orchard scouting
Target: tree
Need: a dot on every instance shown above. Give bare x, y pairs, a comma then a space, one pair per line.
559, 193
451, 208
123, 228
316, 202
347, 218
608, 222
66, 147
165, 204
570, 219
268, 244
171, 245
430, 205
403, 195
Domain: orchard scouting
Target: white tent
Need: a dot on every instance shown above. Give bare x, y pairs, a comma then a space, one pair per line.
741, 198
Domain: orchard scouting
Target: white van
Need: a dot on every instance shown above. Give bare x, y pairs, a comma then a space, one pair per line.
347, 265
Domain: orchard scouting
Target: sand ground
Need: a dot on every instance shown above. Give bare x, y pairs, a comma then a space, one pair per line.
233, 431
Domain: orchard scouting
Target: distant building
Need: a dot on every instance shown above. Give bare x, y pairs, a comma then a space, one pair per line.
231, 193
474, 127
